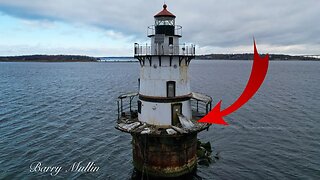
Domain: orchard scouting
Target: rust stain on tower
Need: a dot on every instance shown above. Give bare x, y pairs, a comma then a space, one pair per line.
162, 116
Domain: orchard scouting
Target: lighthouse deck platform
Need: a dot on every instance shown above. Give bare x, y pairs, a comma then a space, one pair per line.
134, 126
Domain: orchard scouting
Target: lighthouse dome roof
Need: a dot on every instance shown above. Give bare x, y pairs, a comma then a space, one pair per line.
165, 13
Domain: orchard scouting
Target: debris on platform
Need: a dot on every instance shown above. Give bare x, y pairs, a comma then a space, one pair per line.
185, 122
171, 131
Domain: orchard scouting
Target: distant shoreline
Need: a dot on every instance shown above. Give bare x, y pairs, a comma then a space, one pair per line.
209, 57
48, 58
272, 57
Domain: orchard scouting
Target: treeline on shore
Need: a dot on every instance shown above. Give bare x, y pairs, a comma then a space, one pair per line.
48, 58
276, 57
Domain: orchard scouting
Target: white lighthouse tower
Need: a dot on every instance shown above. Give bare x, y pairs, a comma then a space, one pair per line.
164, 126
164, 83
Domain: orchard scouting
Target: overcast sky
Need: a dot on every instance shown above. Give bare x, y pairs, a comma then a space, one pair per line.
109, 28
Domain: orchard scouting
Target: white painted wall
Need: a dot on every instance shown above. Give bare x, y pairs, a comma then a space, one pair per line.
153, 81
160, 113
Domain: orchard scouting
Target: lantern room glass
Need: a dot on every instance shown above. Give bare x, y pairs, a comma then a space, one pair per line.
164, 21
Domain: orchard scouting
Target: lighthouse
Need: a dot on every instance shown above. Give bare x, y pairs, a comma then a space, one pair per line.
162, 116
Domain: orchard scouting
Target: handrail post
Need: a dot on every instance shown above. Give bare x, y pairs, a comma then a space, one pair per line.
197, 106
118, 110
130, 103
121, 105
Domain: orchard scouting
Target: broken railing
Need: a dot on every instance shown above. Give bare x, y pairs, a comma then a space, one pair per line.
201, 104
127, 105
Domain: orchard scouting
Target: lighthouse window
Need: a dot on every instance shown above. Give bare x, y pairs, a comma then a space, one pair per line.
171, 89
170, 40
139, 107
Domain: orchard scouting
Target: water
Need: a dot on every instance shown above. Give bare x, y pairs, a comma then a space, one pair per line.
62, 113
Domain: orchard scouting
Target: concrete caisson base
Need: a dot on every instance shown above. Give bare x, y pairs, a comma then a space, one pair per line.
165, 156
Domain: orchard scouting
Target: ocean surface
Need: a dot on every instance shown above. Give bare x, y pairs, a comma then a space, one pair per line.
64, 113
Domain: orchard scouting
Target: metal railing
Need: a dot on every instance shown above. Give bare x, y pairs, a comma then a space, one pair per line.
151, 31
127, 105
181, 50
201, 104
200, 108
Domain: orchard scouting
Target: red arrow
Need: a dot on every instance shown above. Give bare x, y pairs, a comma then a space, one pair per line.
258, 74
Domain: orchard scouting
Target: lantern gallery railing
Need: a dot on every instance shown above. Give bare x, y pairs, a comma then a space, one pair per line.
181, 50
152, 30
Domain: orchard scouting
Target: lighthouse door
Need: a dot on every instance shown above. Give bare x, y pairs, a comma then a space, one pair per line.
176, 109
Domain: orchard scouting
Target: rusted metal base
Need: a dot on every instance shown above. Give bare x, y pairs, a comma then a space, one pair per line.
165, 156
